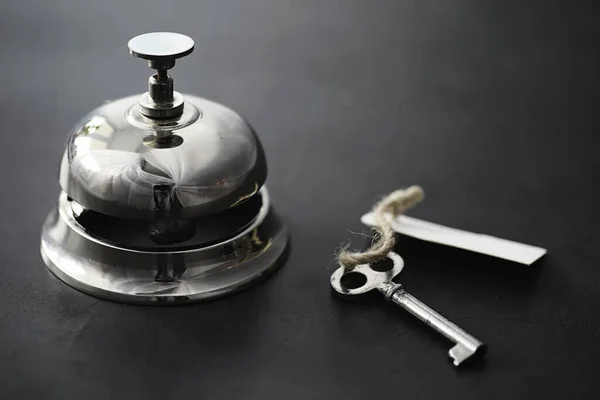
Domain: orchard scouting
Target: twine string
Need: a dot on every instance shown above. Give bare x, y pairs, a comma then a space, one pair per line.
384, 239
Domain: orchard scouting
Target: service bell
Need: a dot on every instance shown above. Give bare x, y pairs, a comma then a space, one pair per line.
163, 198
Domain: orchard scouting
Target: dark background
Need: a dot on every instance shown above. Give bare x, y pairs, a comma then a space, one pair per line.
491, 106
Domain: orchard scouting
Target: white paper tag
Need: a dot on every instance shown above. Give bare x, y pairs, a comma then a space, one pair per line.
484, 244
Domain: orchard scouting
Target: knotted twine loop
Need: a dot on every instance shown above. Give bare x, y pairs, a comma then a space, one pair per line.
384, 239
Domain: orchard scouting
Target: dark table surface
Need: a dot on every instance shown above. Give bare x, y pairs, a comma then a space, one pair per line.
491, 106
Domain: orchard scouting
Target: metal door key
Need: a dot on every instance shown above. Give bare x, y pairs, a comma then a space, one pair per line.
364, 278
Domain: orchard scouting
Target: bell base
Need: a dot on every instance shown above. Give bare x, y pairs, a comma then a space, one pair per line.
101, 269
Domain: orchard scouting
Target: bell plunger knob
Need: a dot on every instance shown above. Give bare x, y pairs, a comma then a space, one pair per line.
161, 49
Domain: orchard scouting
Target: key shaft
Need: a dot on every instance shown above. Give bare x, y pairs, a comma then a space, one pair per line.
466, 345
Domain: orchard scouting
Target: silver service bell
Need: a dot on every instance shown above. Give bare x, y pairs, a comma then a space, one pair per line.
163, 198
